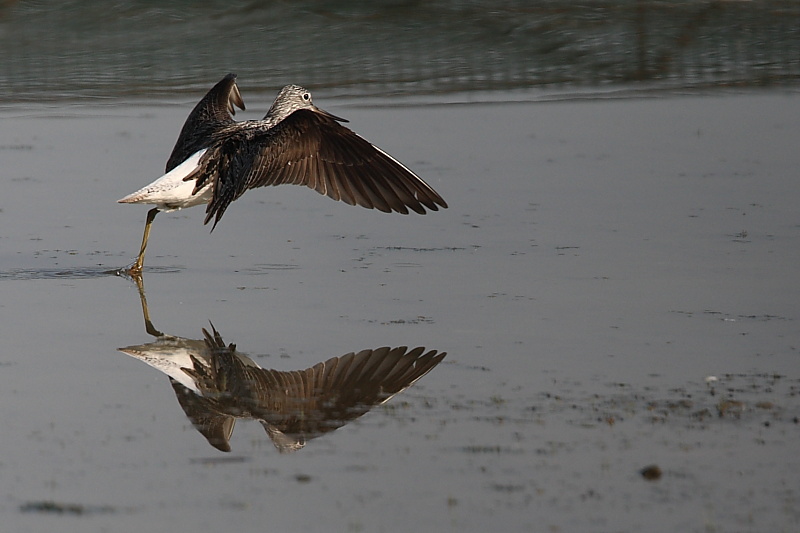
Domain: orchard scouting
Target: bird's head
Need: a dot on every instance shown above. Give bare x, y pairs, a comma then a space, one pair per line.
294, 98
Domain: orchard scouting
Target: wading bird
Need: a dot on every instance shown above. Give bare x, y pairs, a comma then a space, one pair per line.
216, 159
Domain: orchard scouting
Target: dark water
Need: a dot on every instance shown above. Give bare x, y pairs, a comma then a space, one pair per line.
112, 49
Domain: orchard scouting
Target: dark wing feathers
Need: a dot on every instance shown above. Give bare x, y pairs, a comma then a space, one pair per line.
228, 164
310, 149
209, 116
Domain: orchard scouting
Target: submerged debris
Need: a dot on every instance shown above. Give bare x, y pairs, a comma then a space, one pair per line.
76, 509
732, 408
651, 472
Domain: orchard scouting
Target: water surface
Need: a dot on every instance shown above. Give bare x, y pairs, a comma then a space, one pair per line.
615, 281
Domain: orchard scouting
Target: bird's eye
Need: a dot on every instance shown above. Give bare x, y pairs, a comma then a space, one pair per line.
306, 97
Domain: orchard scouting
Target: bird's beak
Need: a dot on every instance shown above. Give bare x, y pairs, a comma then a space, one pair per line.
329, 115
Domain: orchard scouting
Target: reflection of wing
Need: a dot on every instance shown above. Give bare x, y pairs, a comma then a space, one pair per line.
299, 405
216, 427
331, 394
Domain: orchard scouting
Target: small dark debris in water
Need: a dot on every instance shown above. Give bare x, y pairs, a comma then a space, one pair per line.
680, 405
418, 320
490, 450
481, 449
730, 408
478, 367
16, 147
740, 237
302, 478
497, 400
219, 460
415, 249
590, 494
651, 472
701, 414
499, 487
65, 508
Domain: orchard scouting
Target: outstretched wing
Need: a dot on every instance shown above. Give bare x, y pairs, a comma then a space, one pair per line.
311, 149
211, 114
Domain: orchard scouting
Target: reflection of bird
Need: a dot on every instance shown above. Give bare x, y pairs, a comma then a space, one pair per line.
215, 385
217, 159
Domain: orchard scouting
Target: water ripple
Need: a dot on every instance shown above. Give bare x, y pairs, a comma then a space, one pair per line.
69, 273
266, 267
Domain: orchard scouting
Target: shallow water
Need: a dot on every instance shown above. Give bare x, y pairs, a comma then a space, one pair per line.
601, 257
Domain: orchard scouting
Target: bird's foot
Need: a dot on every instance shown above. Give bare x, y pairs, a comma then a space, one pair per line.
132, 271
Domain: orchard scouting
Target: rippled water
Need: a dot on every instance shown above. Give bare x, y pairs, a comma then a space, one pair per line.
77, 49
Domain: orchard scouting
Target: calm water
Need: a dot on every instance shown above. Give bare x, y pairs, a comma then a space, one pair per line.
615, 281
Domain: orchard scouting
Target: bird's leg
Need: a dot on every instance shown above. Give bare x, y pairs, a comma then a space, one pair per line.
136, 268
148, 324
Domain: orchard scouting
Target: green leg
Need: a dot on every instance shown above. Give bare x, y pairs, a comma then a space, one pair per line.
136, 267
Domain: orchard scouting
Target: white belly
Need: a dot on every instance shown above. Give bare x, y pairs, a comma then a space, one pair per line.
171, 191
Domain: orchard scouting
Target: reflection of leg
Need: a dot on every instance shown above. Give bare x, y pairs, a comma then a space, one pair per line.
136, 267
148, 324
